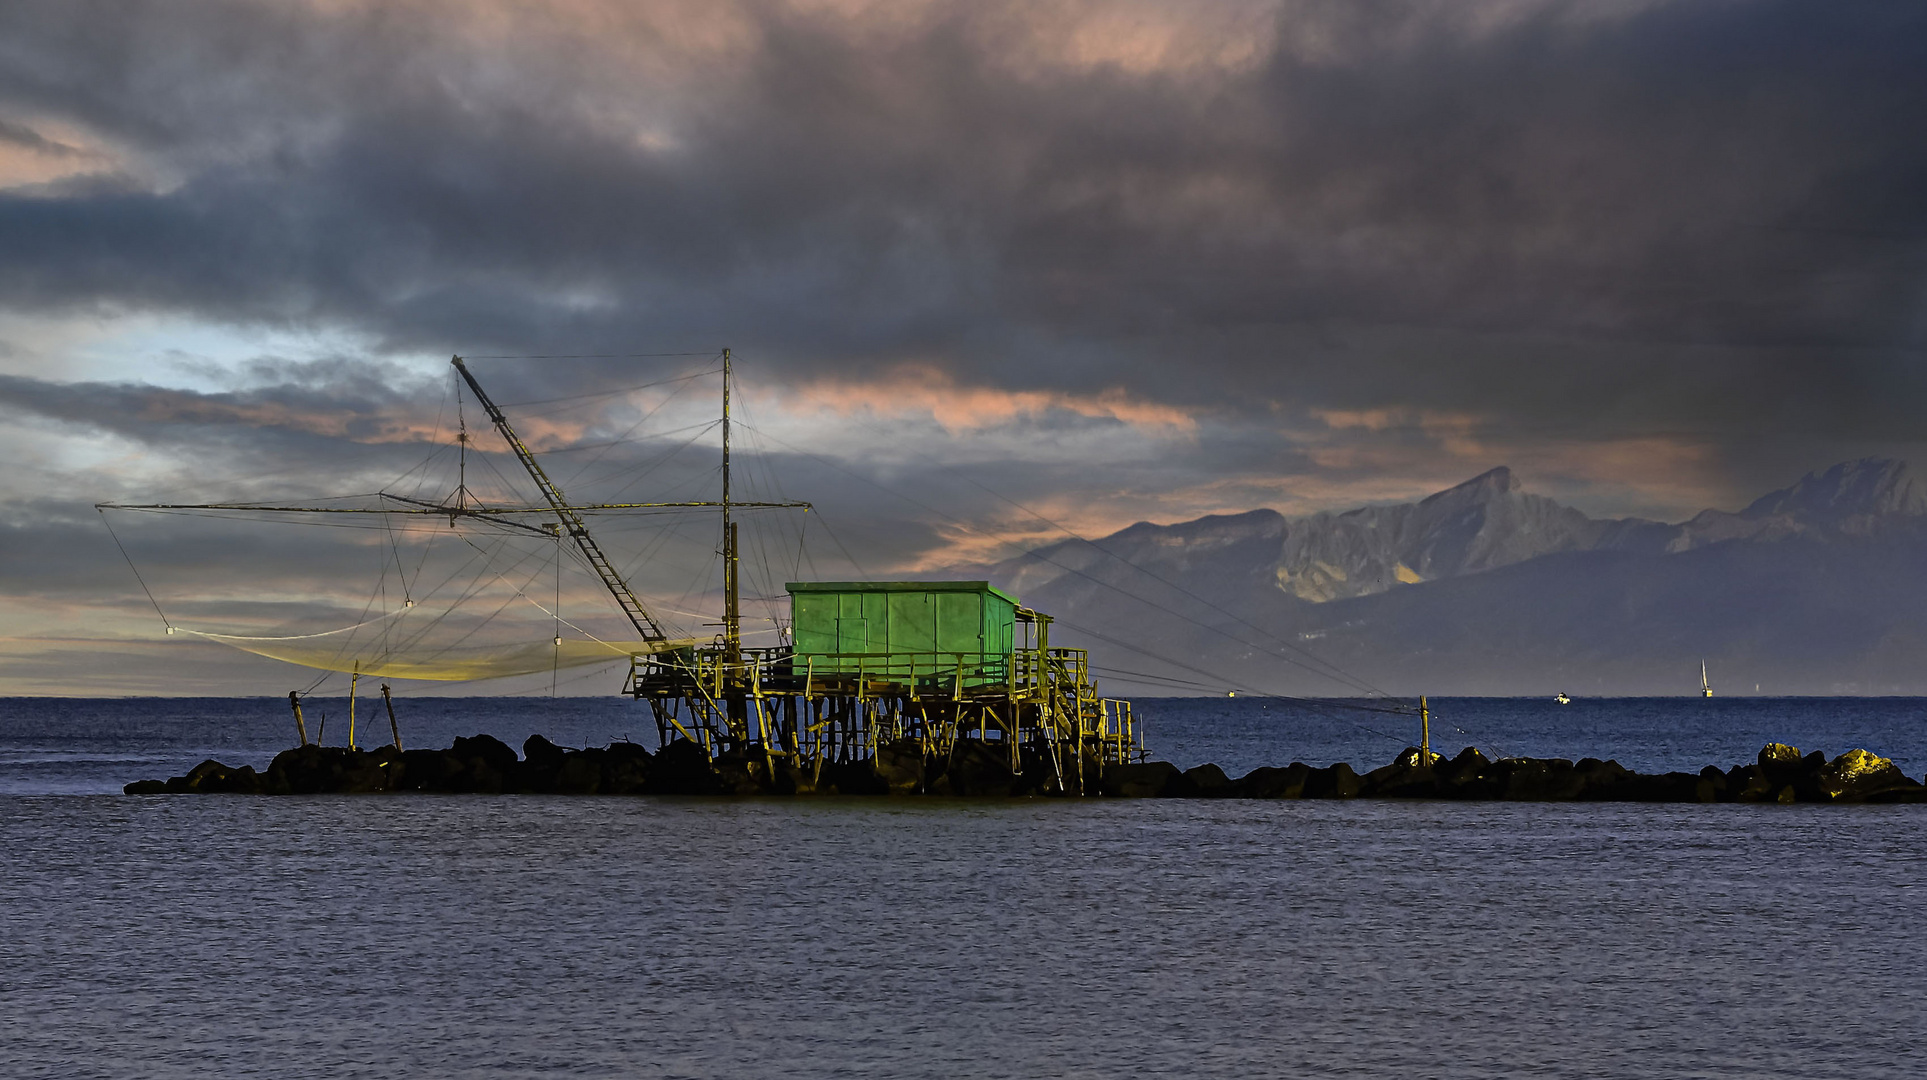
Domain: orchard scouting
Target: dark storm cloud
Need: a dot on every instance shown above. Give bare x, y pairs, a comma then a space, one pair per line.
1498, 199
311, 437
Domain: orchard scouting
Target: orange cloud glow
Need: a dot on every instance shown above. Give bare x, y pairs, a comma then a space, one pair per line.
921, 390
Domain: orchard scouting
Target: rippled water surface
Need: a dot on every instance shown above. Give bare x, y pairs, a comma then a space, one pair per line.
512, 936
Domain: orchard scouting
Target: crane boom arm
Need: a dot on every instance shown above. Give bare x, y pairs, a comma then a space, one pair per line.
572, 523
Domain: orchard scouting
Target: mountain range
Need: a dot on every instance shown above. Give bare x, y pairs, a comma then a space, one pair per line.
1485, 588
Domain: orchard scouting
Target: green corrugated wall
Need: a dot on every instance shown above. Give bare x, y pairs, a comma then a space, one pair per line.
902, 619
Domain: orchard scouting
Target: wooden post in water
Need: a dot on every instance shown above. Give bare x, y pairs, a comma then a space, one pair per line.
393, 728
300, 725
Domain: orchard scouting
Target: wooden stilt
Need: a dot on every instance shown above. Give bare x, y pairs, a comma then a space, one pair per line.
393, 728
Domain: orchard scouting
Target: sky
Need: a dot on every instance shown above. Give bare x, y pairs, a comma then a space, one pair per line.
989, 272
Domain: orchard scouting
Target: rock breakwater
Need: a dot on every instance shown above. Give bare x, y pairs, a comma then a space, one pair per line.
483, 764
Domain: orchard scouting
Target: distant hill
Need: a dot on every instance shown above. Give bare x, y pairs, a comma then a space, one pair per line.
1486, 589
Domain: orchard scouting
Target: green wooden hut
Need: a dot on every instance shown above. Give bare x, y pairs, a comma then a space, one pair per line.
896, 628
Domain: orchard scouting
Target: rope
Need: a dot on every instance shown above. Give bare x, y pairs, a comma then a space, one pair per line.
587, 356
555, 668
556, 615
294, 637
135, 569
604, 393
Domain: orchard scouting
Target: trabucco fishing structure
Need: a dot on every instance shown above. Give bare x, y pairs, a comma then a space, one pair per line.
867, 672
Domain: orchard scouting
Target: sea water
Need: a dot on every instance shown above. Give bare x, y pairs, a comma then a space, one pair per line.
428, 936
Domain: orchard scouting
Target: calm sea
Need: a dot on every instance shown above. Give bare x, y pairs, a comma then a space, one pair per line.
518, 936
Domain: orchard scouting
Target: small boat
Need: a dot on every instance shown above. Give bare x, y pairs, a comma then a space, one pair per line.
1562, 698
1706, 688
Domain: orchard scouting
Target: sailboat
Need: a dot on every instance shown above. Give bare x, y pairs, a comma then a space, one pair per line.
1706, 688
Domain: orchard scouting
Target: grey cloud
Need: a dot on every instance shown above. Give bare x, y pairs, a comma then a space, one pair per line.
23, 136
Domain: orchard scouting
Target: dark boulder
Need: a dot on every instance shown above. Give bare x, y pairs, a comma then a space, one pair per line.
1466, 776
196, 776
490, 749
1145, 780
625, 769
900, 766
1333, 782
1749, 784
211, 777
490, 766
1777, 759
1858, 776
1538, 779
579, 773
683, 768
480, 777
241, 781
429, 770
1672, 787
979, 768
1207, 781
1601, 781
1085, 777
791, 778
364, 772
743, 772
1712, 786
1782, 767
479, 765
145, 787
1038, 773
330, 770
538, 750
1407, 777
1272, 782
1469, 762
293, 771
541, 760
854, 778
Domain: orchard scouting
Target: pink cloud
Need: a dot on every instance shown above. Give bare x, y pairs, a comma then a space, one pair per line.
925, 390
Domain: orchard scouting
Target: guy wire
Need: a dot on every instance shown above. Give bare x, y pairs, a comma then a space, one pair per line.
137, 572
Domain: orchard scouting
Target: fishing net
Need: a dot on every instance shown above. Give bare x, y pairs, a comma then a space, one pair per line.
337, 650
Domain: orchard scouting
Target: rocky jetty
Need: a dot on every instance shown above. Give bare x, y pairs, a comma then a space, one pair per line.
1781, 774
486, 765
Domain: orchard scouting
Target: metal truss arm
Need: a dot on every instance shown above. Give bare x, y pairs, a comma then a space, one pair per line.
572, 522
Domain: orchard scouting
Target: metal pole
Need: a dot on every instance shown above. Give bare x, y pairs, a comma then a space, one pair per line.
730, 673
356, 678
732, 592
1425, 732
393, 728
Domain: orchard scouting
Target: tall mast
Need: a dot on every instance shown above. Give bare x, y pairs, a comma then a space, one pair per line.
461, 440
732, 590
